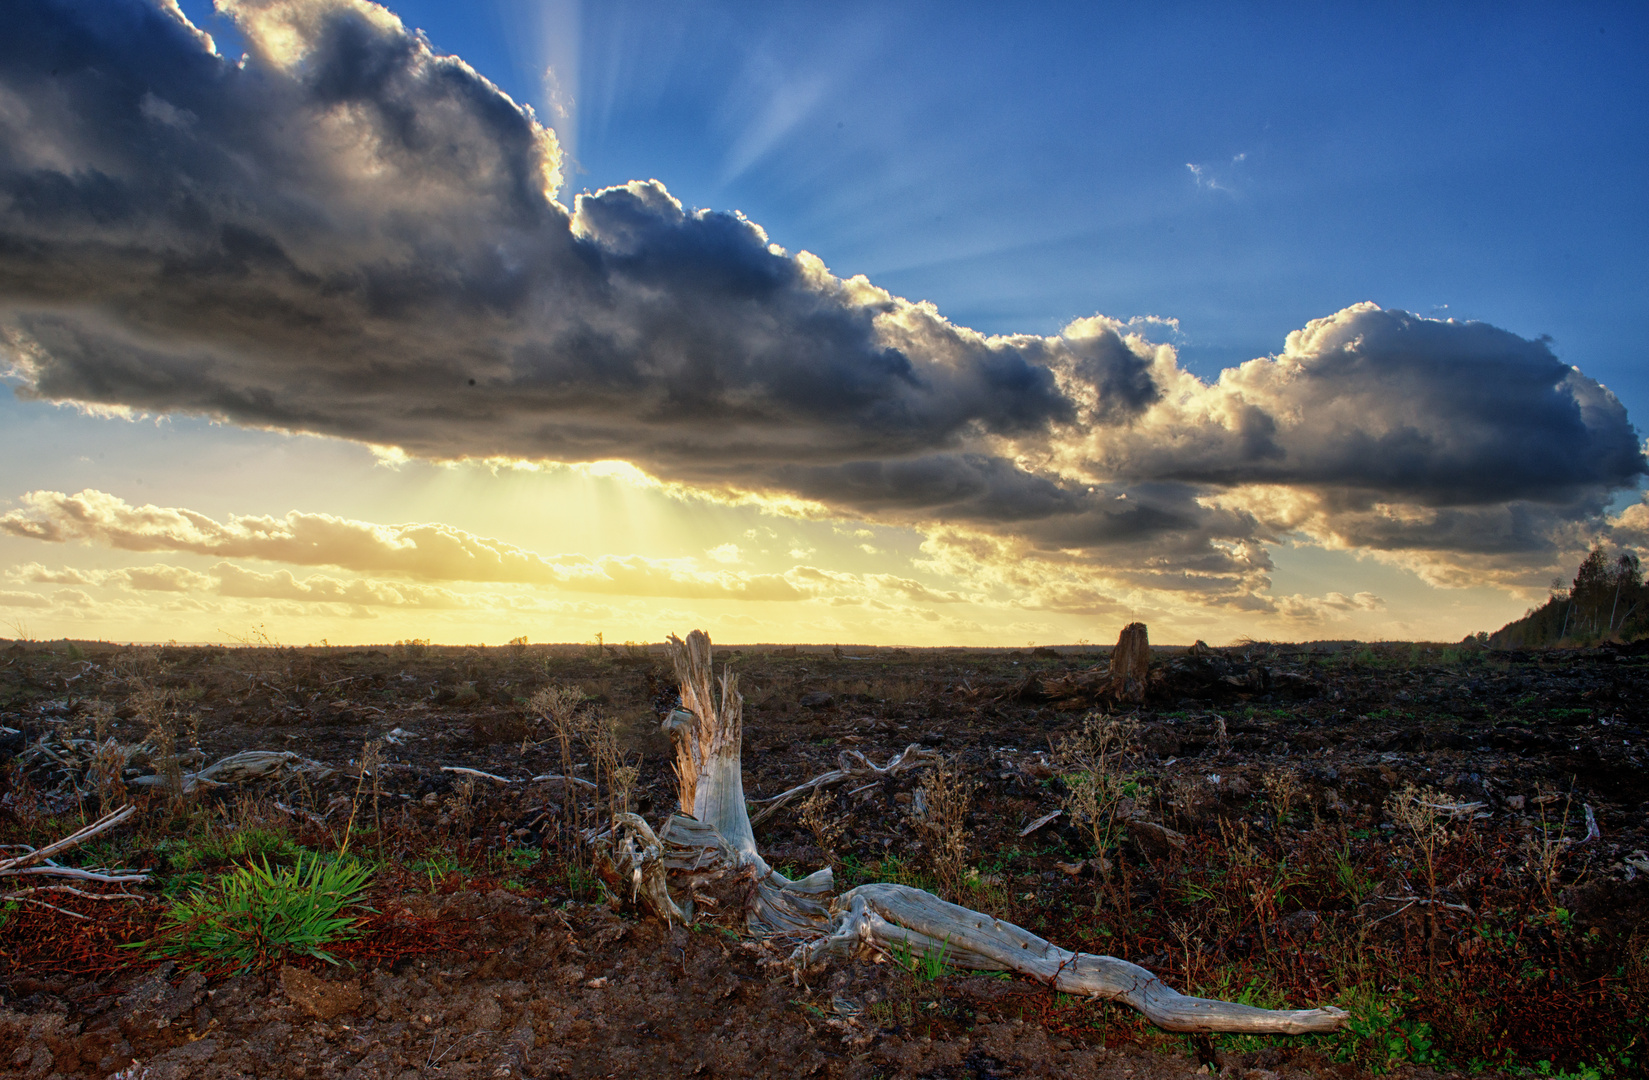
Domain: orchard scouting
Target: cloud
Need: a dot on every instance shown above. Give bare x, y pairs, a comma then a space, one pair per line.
725, 553
35, 574
418, 551
227, 579
1331, 607
282, 585
416, 557
350, 235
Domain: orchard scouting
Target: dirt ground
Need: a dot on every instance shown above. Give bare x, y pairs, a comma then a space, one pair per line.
1260, 861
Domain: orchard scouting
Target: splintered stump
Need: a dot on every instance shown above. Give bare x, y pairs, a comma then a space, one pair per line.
706, 863
1130, 663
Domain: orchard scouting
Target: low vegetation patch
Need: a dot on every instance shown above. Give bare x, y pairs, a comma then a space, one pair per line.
256, 915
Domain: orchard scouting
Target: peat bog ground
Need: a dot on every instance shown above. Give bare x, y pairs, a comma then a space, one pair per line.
1448, 841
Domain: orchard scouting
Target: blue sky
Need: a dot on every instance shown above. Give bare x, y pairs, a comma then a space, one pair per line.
1233, 171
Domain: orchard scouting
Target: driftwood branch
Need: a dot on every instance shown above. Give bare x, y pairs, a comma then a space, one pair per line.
17, 863
849, 764
21, 894
545, 778
244, 766
38, 862
873, 918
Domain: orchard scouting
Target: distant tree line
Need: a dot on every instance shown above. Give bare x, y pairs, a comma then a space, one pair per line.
1607, 601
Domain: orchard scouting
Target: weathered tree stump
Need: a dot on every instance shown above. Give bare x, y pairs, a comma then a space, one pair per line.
1130, 664
709, 861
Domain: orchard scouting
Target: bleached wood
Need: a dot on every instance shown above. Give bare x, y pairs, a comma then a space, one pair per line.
707, 732
15, 864
849, 764
629, 858
710, 781
244, 766
873, 918
37, 862
717, 839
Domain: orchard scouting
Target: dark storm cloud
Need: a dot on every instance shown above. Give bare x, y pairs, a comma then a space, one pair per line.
353, 236
1441, 413
349, 235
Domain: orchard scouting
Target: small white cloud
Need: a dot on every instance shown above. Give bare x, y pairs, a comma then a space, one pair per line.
1221, 178
725, 553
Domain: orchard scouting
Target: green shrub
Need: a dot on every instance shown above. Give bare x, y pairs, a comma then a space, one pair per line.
255, 915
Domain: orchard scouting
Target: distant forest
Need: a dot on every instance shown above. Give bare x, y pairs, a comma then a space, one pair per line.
1607, 601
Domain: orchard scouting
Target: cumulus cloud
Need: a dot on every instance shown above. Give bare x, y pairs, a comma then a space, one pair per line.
227, 579
1328, 608
352, 235
420, 551
449, 555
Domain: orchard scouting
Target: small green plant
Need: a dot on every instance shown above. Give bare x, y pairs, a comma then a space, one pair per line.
436, 868
925, 966
1380, 1037
1583, 1072
522, 858
811, 1009
255, 914
1353, 881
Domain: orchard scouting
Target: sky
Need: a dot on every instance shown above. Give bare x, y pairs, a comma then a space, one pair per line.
867, 323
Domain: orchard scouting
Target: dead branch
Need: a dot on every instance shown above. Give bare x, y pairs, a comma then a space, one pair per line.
1039, 822
544, 778
477, 773
244, 766
19, 894
54, 907
101, 877
557, 778
108, 821
38, 862
849, 764
300, 814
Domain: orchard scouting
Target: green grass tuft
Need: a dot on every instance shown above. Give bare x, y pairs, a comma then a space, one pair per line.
255, 915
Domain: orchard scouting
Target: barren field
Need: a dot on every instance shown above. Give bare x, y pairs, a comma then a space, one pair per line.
1448, 842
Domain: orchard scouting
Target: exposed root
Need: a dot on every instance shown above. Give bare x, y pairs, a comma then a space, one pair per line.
873, 918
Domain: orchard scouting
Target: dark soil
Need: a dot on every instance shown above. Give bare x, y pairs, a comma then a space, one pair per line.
490, 953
